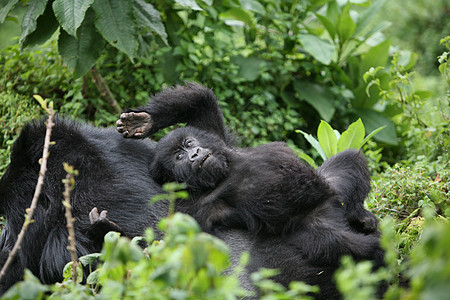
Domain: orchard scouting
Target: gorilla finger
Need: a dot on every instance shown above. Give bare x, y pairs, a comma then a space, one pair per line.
103, 215
93, 215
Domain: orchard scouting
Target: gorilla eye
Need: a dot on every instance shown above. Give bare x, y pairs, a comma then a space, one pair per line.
180, 156
188, 144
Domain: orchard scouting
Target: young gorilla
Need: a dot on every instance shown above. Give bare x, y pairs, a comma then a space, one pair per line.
262, 189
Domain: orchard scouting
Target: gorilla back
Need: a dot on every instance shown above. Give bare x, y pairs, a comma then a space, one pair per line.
108, 179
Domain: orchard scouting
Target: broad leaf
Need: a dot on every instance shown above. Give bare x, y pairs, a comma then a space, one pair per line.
148, 17
327, 139
376, 56
346, 26
46, 25
35, 9
370, 135
308, 159
367, 15
5, 8
238, 14
321, 50
313, 143
317, 96
373, 120
353, 137
253, 5
81, 53
70, 13
115, 22
328, 24
189, 3
249, 67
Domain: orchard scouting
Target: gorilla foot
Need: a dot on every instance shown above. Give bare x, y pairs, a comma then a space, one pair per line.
134, 124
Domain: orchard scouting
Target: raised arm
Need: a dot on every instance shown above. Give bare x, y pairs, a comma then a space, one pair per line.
192, 103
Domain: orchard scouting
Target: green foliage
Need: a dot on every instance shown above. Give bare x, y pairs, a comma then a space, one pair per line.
329, 141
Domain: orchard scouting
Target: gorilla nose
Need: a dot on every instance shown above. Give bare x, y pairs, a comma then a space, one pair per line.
194, 153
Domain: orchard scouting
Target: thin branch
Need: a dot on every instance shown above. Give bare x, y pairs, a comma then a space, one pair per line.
101, 85
37, 192
68, 187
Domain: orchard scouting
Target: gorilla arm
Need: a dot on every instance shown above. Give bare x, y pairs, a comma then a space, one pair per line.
192, 104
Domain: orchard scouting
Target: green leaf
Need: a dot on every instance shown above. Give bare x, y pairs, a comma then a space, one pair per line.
253, 5
148, 17
45, 27
35, 9
313, 143
89, 259
317, 96
333, 12
70, 13
327, 139
238, 14
370, 135
81, 53
321, 50
6, 6
189, 3
376, 56
346, 26
115, 22
367, 15
308, 159
41, 101
328, 24
353, 137
373, 120
249, 67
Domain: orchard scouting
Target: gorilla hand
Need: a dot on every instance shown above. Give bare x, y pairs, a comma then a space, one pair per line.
134, 124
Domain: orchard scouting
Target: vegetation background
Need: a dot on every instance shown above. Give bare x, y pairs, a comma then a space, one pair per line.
277, 67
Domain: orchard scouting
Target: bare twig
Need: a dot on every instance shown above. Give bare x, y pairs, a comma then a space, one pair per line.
37, 192
69, 183
101, 85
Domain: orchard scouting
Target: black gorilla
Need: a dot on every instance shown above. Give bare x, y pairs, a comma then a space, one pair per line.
113, 176
312, 218
265, 188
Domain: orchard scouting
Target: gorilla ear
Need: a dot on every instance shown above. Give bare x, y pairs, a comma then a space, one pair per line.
158, 172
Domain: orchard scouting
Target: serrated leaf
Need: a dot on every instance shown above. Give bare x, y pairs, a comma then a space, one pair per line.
327, 139
189, 3
321, 50
314, 143
353, 137
115, 22
46, 25
81, 53
317, 96
70, 13
148, 17
35, 9
6, 7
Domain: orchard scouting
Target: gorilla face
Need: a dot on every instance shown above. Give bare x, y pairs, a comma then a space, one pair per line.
192, 156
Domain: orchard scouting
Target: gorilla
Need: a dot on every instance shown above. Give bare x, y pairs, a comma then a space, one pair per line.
118, 176
261, 189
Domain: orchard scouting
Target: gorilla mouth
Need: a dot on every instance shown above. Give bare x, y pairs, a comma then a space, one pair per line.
204, 159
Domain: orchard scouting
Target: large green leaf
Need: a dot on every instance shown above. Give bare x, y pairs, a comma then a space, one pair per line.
238, 14
346, 26
70, 13
327, 139
367, 15
376, 56
318, 96
5, 7
249, 67
321, 50
253, 5
328, 24
46, 25
35, 9
148, 17
82, 52
189, 3
353, 137
314, 143
374, 120
115, 22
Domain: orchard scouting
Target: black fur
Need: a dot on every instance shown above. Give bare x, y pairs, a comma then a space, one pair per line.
311, 217
113, 176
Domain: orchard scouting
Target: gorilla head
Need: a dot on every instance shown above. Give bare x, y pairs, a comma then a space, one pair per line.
193, 156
